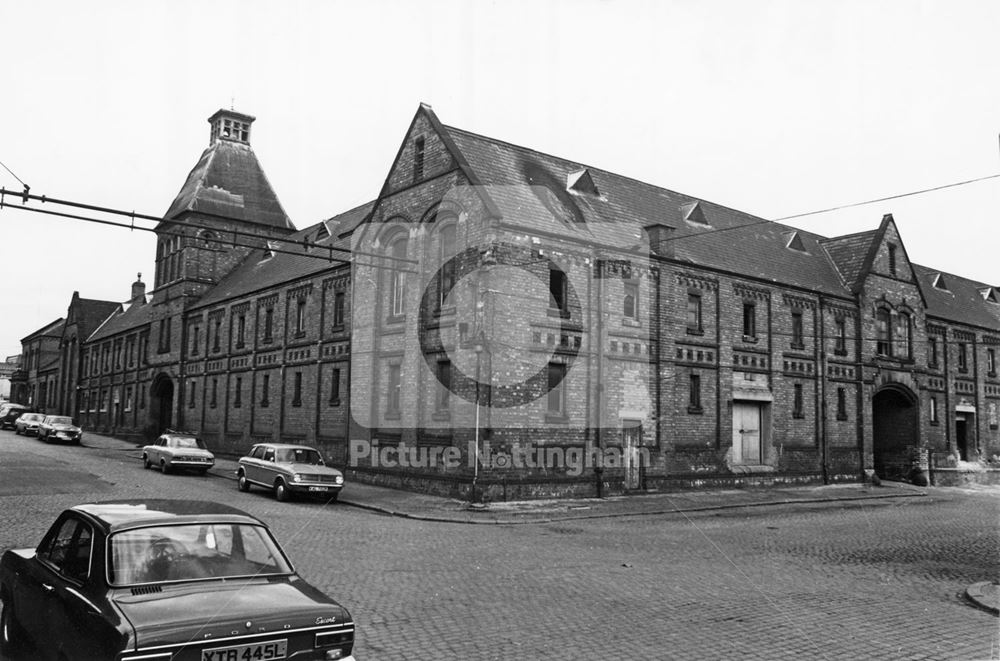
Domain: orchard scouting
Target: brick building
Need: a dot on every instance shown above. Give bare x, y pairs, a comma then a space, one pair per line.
579, 331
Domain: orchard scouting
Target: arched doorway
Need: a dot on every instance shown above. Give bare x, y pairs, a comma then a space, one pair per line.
161, 403
895, 417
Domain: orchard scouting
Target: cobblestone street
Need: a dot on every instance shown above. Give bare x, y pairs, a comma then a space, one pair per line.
873, 579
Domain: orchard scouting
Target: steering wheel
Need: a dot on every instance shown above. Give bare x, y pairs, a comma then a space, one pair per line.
161, 554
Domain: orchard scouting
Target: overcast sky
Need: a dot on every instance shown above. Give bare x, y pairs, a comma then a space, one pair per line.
774, 108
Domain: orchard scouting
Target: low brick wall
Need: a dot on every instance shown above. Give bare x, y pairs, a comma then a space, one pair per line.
959, 477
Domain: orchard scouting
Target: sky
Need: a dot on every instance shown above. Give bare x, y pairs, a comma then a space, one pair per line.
775, 108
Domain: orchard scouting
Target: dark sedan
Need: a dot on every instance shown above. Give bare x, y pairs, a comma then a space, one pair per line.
164, 580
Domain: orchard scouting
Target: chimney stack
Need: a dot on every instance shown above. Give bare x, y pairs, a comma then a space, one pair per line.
138, 289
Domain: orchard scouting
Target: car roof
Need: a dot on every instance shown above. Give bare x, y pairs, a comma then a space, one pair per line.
285, 446
117, 515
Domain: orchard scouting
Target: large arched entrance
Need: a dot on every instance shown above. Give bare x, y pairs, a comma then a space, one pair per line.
895, 417
161, 403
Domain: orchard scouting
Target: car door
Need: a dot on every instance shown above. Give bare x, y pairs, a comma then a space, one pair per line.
268, 469
249, 463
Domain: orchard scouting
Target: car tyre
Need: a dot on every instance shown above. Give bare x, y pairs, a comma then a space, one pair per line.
164, 468
146, 463
11, 634
281, 491
241, 482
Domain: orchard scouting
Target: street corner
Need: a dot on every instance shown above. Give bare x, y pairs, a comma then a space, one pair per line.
985, 595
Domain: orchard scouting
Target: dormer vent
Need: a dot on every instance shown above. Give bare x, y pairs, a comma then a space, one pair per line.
990, 295
794, 242
230, 125
693, 213
581, 183
322, 232
940, 283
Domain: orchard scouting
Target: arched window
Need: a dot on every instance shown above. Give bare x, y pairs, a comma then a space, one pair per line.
883, 338
902, 336
446, 251
397, 282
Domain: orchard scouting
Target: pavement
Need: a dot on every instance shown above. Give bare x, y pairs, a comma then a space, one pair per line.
425, 507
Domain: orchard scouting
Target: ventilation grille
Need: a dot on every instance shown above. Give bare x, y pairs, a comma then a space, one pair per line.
146, 589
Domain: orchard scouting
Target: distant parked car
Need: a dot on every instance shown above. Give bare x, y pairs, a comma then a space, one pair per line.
59, 428
289, 469
28, 423
159, 579
178, 451
9, 413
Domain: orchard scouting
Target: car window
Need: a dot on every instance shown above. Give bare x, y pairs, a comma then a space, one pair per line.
69, 549
300, 456
257, 452
187, 442
269, 454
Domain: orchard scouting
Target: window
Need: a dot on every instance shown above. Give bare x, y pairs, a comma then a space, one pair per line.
630, 303
393, 391
932, 351
557, 389
131, 352
69, 550
933, 411
164, 343
238, 393
883, 341
338, 309
798, 342
241, 330
335, 388
218, 332
841, 404
892, 259
194, 340
418, 159
558, 291
128, 398
840, 336
749, 320
297, 391
143, 339
191, 395
444, 385
397, 290
215, 393
991, 361
268, 324
265, 390
694, 393
902, 335
694, 314
300, 317
797, 406
446, 253
963, 357
142, 397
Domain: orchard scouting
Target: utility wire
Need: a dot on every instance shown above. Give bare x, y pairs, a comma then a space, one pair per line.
891, 197
26, 186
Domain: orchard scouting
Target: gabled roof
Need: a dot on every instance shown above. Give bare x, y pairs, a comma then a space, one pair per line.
961, 302
848, 254
229, 182
51, 329
255, 273
89, 313
128, 316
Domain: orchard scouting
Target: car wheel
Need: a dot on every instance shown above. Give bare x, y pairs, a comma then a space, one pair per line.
281, 491
11, 634
146, 463
17, 430
163, 467
241, 482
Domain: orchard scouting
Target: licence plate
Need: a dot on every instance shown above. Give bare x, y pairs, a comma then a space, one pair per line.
273, 649
318, 488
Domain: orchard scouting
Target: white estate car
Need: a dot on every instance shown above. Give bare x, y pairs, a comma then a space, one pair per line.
178, 451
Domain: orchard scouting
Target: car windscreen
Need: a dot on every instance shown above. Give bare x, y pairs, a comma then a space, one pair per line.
191, 552
32, 417
60, 420
187, 442
299, 456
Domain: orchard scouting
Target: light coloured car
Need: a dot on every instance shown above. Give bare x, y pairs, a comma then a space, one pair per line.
59, 428
175, 451
289, 470
28, 423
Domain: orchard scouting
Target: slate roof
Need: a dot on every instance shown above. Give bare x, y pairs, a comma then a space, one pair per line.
53, 328
962, 302
729, 240
256, 273
127, 317
229, 182
91, 313
848, 253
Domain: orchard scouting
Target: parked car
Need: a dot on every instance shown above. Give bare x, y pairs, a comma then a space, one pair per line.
59, 428
178, 451
28, 423
164, 579
289, 470
9, 413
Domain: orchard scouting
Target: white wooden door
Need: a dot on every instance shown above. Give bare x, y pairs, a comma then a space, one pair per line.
746, 433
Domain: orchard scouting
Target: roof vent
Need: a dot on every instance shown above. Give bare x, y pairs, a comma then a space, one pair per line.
939, 282
794, 242
990, 294
269, 251
230, 125
693, 213
581, 183
322, 232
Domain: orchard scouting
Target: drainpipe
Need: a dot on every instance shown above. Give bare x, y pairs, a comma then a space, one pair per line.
599, 397
821, 394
